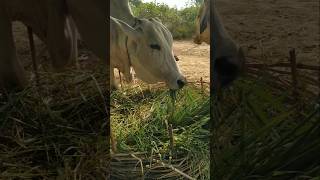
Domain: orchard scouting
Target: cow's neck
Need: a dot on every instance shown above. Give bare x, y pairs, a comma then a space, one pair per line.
225, 46
120, 9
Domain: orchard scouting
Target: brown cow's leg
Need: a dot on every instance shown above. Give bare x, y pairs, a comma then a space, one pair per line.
73, 33
59, 43
12, 74
114, 85
33, 55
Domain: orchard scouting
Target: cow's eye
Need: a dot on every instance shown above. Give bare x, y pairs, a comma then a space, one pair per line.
155, 46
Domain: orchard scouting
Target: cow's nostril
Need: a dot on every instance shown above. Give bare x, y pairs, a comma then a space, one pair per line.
181, 83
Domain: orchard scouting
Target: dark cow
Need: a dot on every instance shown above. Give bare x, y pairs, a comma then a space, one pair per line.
229, 57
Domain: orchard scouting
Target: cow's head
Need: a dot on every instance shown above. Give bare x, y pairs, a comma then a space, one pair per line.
203, 24
227, 66
150, 52
229, 58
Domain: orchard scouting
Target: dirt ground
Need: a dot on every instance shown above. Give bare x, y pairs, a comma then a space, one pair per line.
267, 29
194, 60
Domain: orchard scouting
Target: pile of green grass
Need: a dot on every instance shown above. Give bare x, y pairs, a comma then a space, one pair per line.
139, 121
59, 131
262, 132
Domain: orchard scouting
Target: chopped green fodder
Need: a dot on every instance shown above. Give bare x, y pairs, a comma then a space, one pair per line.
140, 120
262, 132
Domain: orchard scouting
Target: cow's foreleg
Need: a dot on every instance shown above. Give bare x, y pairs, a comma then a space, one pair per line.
12, 74
59, 42
113, 85
33, 55
127, 73
72, 29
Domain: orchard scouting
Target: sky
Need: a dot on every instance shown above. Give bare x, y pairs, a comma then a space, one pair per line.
171, 3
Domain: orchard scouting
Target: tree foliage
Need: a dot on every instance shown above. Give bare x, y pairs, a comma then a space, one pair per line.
181, 23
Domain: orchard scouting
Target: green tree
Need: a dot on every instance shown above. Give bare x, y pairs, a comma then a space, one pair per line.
181, 23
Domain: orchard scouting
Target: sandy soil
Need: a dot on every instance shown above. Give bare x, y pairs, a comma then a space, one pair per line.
267, 29
194, 60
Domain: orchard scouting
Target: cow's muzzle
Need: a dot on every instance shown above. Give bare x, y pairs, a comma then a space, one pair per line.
181, 83
227, 69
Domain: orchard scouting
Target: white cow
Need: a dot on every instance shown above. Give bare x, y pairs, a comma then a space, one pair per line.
48, 19
229, 58
148, 47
